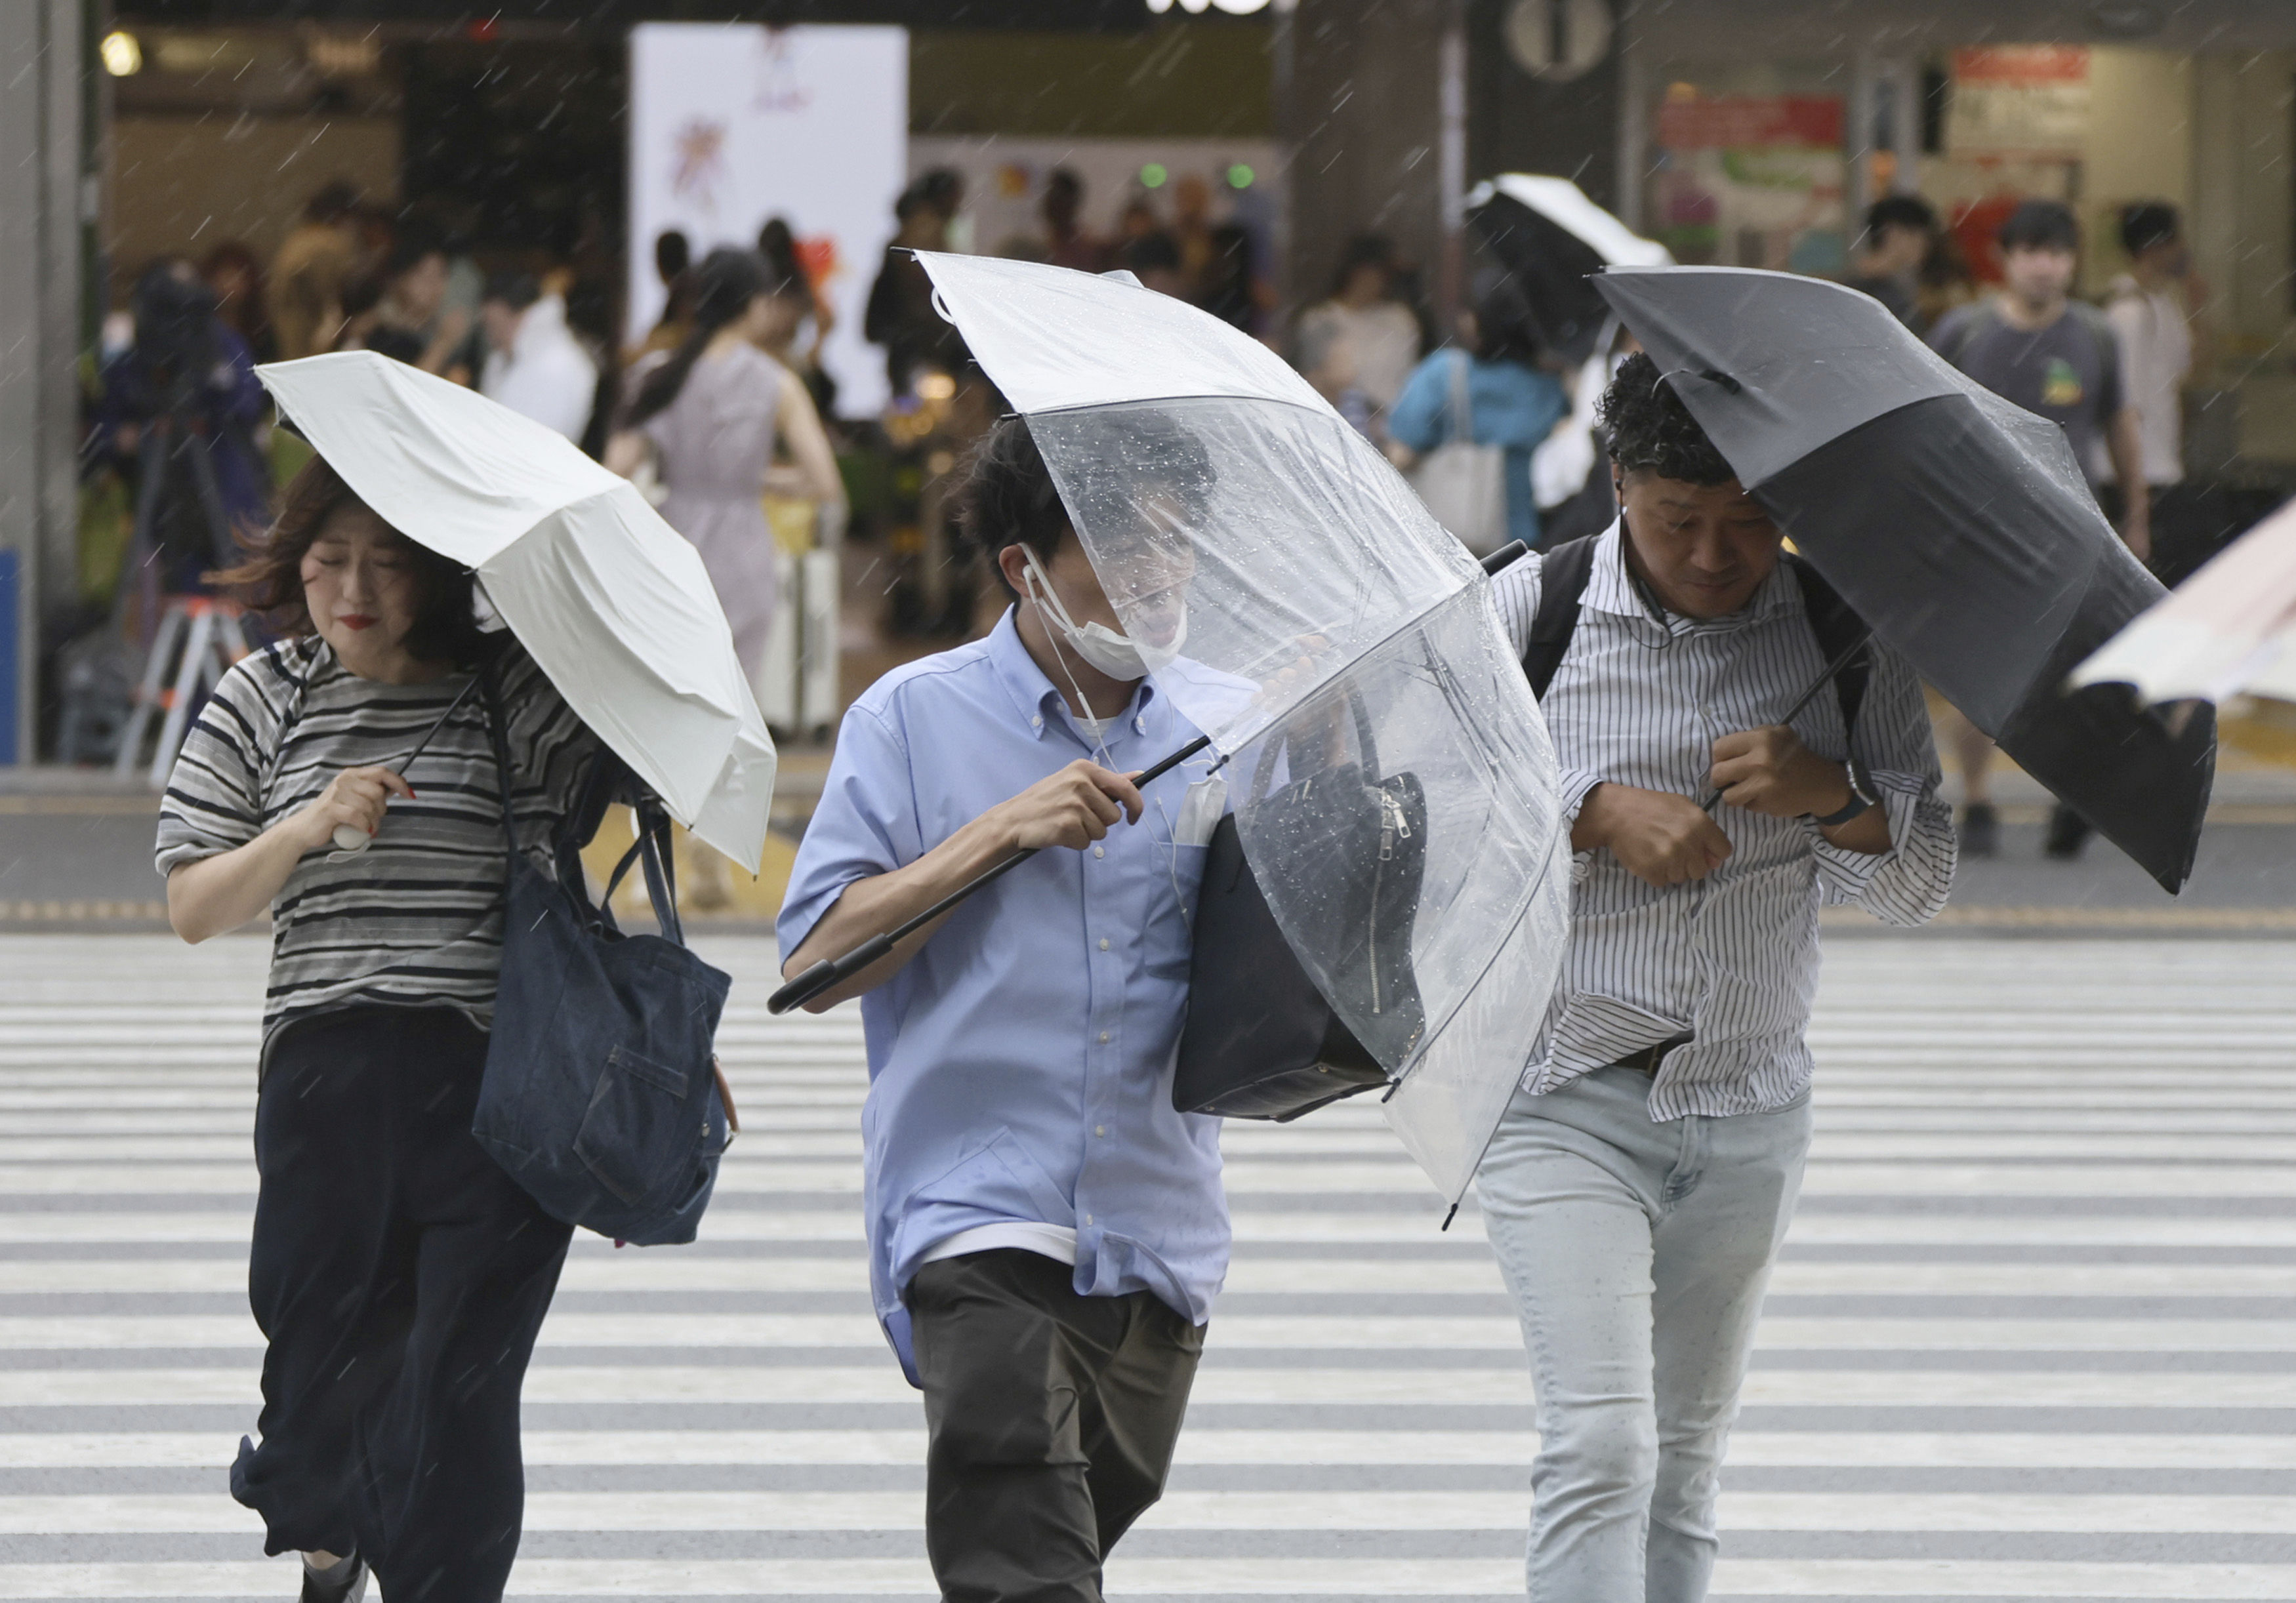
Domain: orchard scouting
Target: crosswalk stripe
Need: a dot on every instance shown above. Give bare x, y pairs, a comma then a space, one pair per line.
2044, 1236
910, 1578
1320, 1509
1220, 1384
1205, 1444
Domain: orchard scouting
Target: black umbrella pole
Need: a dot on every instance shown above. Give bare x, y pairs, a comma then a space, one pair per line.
1810, 694
835, 972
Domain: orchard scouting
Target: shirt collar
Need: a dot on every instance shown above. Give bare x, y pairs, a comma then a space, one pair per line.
1037, 701
1610, 588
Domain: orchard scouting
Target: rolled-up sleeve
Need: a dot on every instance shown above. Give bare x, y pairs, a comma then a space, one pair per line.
213, 802
865, 825
1906, 884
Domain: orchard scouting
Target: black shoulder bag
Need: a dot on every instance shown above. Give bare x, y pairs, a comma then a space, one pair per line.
601, 1096
1261, 1042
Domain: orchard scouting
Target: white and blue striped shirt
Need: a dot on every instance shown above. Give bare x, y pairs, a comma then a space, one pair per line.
1639, 698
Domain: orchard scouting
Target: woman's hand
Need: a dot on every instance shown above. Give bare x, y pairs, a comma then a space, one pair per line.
356, 797
219, 894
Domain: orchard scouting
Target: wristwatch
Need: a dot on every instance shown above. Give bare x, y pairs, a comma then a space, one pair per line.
1862, 796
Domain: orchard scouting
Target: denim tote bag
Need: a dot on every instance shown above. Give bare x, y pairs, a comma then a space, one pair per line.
601, 1096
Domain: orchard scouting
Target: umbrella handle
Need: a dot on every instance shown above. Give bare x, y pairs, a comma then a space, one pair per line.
832, 971
1810, 694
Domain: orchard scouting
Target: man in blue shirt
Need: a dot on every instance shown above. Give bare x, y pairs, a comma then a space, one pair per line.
1046, 1233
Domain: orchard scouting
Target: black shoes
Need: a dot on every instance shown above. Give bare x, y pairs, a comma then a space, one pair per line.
1980, 830
346, 1582
2069, 832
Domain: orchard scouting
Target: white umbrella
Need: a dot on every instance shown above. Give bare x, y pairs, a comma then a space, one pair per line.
613, 604
1564, 204
2229, 629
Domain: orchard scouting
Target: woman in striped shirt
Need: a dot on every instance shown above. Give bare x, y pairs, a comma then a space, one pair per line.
398, 1275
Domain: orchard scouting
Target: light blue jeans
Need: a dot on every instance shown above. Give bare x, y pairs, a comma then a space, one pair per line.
1636, 1253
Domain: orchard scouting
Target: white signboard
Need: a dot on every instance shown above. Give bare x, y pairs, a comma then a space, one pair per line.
733, 124
2018, 100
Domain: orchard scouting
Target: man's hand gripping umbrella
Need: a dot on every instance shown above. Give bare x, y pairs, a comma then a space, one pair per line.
1078, 791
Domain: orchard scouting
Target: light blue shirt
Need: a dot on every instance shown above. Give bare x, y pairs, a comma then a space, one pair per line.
1020, 1063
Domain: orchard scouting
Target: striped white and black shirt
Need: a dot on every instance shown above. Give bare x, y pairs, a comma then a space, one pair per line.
1730, 960
415, 919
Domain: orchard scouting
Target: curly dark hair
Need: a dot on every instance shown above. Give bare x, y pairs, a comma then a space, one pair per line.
1652, 432
271, 580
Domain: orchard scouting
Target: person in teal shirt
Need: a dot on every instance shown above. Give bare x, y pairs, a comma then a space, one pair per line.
1513, 402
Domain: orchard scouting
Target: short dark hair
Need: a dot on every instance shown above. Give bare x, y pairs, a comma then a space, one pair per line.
673, 253
333, 202
1364, 250
1153, 253
1900, 211
271, 579
409, 245
1506, 331
2041, 226
1652, 432
1008, 497
2144, 223
514, 287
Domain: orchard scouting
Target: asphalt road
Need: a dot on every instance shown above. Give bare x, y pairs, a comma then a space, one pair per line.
2032, 1335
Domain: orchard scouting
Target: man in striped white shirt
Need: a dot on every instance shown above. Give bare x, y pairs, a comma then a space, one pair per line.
1639, 1188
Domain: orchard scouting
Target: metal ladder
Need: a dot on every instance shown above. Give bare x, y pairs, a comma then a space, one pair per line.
200, 638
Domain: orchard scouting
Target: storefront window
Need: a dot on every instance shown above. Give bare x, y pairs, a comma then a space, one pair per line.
1747, 168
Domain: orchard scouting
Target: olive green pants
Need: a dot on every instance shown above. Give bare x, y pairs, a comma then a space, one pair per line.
1051, 1417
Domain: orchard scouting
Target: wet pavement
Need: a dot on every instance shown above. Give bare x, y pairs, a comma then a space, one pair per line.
2033, 1334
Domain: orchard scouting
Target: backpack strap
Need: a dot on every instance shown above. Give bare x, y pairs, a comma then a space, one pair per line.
1562, 581
1562, 577
1836, 627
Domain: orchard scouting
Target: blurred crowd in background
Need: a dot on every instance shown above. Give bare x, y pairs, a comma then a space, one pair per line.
540, 335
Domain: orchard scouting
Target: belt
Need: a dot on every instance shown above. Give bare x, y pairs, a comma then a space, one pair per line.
1646, 1060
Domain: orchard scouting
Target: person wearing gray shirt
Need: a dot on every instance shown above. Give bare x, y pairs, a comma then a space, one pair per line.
2034, 347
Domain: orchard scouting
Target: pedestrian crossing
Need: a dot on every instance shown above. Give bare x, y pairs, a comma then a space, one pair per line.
2034, 1335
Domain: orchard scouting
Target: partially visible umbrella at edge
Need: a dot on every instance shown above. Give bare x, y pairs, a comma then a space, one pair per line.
2226, 635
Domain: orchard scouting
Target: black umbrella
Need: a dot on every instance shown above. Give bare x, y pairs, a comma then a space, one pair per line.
1959, 526
1545, 237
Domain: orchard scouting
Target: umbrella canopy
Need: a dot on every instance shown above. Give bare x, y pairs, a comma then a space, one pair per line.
1308, 615
1548, 237
1959, 526
612, 603
2227, 634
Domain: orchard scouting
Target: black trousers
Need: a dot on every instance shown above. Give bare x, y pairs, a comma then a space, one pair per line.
400, 1277
1051, 1420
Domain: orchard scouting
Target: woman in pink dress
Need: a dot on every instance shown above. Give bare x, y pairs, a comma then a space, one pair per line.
709, 414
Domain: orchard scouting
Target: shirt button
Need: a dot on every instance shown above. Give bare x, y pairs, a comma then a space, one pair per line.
1087, 1218
1103, 942
1100, 851
1100, 1130
1036, 722
1103, 1037
1139, 726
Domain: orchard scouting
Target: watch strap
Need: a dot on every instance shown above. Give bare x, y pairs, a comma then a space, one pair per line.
1862, 797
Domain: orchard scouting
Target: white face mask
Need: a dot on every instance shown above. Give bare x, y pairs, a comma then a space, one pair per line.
1118, 656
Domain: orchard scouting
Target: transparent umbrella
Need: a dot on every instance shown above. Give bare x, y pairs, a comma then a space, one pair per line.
1301, 608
